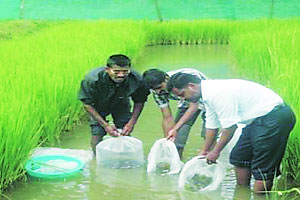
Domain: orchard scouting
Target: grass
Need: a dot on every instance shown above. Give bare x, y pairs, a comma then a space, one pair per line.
272, 58
13, 29
43, 63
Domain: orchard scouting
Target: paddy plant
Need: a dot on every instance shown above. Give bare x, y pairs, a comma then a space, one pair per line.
41, 72
187, 32
274, 61
19, 28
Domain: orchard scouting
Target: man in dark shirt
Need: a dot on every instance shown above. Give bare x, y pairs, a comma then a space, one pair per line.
106, 91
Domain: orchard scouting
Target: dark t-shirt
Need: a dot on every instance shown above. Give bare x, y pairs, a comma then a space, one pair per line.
98, 90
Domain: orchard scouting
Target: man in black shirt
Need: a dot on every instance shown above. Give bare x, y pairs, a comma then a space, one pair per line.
107, 91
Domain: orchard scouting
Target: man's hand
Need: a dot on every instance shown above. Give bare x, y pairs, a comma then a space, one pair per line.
112, 130
127, 129
172, 135
226, 135
212, 156
203, 153
137, 109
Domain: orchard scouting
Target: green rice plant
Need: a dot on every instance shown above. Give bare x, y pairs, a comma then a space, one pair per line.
13, 29
16, 143
284, 188
270, 55
187, 32
290, 194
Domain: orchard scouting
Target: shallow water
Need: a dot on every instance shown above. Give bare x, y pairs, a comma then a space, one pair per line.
121, 164
99, 182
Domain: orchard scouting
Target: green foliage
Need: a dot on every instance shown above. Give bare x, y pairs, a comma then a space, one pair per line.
12, 29
187, 32
268, 52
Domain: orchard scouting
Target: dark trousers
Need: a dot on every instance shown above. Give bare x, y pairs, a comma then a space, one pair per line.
120, 119
262, 143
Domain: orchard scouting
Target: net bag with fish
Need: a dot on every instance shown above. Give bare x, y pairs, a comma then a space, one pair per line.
198, 176
120, 152
163, 158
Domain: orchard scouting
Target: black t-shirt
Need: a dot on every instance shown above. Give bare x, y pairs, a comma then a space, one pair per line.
99, 91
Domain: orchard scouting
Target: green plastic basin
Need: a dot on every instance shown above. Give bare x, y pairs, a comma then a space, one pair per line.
53, 166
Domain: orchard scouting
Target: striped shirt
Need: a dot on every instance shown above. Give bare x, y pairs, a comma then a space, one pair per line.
162, 99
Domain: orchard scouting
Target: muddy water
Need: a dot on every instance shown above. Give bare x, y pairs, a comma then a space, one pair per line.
96, 182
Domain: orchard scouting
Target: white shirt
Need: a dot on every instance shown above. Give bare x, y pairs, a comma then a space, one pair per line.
233, 101
183, 103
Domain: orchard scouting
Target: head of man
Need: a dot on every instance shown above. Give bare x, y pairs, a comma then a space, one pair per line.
156, 80
185, 86
118, 67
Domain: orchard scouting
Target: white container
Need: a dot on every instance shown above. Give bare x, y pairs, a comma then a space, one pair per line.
163, 158
120, 152
198, 176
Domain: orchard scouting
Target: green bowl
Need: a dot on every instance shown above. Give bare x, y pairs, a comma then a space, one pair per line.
53, 166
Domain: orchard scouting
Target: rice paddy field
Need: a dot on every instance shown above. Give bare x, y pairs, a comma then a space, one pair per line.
43, 62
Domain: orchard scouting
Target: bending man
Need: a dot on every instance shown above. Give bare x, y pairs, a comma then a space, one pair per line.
268, 120
156, 80
106, 91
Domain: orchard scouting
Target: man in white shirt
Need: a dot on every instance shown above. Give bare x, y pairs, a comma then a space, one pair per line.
156, 80
268, 120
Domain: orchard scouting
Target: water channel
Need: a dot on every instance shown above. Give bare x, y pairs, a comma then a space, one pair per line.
96, 183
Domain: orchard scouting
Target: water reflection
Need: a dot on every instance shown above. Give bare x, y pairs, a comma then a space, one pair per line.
242, 193
35, 189
188, 195
132, 177
162, 182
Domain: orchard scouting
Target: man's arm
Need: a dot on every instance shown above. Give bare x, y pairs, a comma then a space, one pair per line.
110, 129
168, 120
137, 109
193, 107
210, 139
139, 97
226, 135
162, 100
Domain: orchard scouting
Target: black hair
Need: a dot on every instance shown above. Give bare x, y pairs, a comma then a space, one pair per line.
118, 59
181, 80
153, 77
